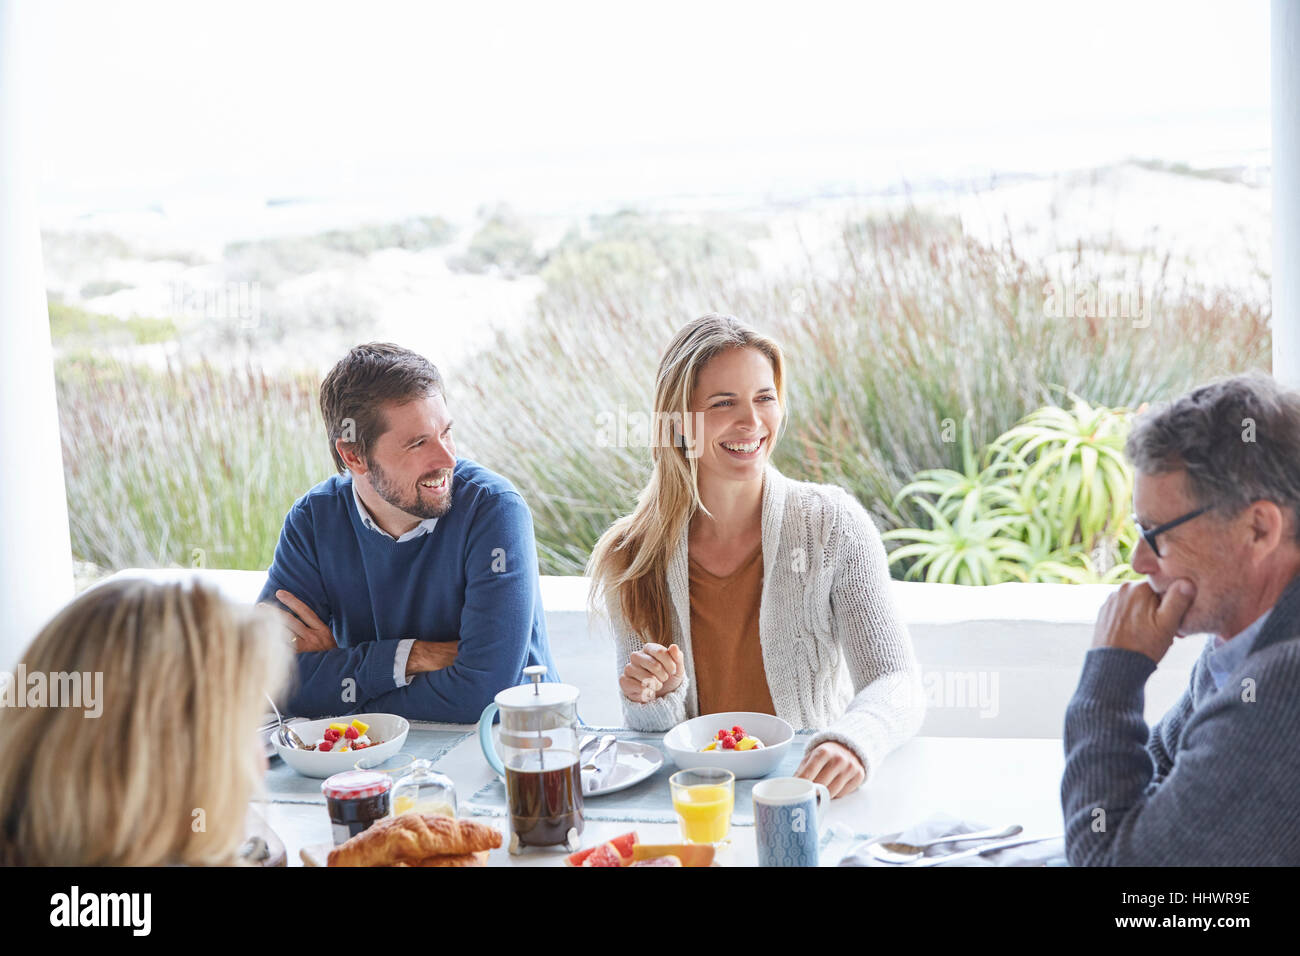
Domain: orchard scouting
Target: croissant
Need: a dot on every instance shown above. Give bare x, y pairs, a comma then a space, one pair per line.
414, 837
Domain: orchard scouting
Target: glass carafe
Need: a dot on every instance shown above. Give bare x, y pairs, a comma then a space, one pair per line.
538, 760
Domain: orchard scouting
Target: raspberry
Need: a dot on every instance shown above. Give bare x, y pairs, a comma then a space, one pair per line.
332, 735
728, 743
351, 733
738, 731
326, 745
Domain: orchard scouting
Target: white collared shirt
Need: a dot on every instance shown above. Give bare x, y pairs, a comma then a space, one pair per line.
424, 527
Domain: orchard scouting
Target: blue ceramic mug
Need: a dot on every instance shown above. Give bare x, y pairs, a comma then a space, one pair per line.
788, 813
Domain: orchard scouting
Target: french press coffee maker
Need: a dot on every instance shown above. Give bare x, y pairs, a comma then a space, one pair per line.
538, 760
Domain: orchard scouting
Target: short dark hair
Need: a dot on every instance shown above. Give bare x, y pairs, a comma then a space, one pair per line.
1237, 438
355, 390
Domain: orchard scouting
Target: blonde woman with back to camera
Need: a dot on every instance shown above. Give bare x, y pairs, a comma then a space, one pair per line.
185, 674
733, 588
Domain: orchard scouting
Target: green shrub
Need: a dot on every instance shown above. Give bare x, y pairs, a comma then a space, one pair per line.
77, 328
503, 244
1051, 504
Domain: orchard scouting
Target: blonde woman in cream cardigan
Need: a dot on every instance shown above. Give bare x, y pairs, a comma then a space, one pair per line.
731, 587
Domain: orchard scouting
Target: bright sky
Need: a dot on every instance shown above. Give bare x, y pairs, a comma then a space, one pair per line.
274, 98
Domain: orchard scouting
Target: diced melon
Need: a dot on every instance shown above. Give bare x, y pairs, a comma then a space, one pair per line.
712, 746
690, 854
361, 726
747, 743
339, 727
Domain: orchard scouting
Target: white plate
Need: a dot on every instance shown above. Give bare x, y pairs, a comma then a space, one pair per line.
634, 763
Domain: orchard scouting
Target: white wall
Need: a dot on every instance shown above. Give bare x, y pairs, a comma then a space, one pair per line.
35, 554
1022, 644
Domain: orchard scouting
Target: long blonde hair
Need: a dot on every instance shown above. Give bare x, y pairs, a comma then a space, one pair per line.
185, 674
631, 558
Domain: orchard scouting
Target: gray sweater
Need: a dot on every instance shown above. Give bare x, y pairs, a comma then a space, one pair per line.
1215, 783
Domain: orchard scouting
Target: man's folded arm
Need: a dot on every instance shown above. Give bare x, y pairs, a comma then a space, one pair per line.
335, 682
496, 622
319, 688
1228, 786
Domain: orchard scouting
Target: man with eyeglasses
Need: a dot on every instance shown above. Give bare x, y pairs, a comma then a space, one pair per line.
1217, 503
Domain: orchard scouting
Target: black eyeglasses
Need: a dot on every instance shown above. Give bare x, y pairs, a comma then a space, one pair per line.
1150, 535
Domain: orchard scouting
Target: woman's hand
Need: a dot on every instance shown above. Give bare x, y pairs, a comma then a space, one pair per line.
834, 765
652, 671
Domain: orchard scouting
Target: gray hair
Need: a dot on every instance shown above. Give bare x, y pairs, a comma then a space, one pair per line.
1238, 439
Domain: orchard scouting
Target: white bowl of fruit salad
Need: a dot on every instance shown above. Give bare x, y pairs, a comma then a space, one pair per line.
747, 744
337, 743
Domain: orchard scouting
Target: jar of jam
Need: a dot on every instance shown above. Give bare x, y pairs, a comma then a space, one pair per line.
356, 799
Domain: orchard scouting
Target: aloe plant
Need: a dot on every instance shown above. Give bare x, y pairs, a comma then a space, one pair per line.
1028, 514
971, 550
1076, 473
989, 491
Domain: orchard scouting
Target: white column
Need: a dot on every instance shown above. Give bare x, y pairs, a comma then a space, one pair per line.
35, 555
1285, 44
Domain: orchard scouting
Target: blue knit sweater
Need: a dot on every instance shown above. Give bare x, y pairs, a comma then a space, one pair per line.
473, 578
1215, 783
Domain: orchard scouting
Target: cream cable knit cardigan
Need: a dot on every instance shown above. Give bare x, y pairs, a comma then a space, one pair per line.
837, 656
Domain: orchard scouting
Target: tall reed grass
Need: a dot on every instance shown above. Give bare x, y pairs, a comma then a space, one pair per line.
908, 326
190, 466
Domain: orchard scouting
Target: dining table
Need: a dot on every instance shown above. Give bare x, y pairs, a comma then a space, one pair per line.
981, 781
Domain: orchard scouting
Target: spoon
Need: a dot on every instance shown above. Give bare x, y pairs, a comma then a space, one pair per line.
287, 737
604, 745
895, 852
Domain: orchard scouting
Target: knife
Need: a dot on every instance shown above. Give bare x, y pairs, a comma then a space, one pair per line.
980, 850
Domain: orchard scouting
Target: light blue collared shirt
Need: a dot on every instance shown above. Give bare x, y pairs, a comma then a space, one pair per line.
424, 527
1224, 657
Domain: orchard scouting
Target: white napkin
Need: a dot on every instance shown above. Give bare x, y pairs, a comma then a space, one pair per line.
1043, 853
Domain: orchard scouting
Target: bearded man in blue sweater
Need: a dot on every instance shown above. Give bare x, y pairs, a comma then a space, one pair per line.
409, 580
1214, 783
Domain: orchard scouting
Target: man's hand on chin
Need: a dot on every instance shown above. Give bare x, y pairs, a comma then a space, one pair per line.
1136, 618
429, 656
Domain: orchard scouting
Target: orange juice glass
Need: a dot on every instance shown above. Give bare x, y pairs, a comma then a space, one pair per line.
703, 800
